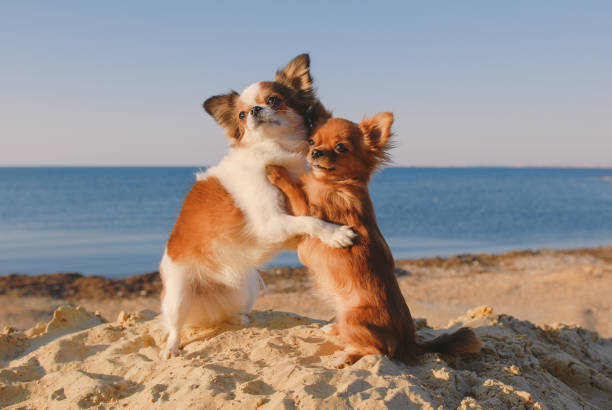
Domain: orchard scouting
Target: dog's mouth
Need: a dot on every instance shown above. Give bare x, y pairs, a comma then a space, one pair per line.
317, 166
266, 121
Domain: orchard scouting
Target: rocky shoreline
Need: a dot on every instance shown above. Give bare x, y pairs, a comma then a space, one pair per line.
74, 286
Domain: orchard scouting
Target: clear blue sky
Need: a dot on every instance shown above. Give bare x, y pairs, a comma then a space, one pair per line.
470, 83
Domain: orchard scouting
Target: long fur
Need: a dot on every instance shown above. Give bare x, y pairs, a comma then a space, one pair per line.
372, 315
233, 219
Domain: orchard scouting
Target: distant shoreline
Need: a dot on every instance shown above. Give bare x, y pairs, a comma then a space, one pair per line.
603, 167
74, 286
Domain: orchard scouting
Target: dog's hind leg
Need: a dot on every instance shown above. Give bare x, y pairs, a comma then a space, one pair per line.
174, 307
245, 297
361, 330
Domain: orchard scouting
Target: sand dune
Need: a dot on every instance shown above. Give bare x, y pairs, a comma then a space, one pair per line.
283, 360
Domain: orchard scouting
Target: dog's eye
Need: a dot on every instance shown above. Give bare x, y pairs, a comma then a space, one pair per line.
273, 101
241, 115
310, 141
341, 148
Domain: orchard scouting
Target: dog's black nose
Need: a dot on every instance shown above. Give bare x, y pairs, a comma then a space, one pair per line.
316, 153
255, 110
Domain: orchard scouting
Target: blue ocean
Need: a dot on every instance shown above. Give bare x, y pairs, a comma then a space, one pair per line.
115, 221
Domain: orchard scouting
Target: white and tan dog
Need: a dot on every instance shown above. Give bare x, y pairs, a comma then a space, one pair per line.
233, 219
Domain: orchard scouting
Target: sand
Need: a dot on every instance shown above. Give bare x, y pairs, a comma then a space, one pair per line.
284, 360
544, 287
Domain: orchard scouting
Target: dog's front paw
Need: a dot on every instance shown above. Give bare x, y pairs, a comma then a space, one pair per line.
276, 174
339, 237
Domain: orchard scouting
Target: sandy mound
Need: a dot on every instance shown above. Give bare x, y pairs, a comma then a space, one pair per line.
284, 361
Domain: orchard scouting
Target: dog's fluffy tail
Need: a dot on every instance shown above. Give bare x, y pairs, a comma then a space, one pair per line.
463, 340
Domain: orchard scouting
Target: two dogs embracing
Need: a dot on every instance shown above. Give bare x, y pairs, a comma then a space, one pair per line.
263, 198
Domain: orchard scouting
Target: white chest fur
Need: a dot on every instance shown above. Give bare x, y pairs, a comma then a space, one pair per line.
243, 173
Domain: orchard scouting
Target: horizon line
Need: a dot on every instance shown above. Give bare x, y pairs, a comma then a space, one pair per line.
571, 166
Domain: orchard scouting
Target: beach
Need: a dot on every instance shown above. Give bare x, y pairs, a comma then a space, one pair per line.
543, 317
473, 140
544, 287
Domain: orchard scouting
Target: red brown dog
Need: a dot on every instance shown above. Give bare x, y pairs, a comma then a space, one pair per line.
372, 316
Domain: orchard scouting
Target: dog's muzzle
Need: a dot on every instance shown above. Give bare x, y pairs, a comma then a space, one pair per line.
256, 110
316, 153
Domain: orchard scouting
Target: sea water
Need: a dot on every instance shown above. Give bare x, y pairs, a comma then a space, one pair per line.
115, 221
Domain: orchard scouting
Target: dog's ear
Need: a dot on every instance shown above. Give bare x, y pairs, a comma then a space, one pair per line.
377, 132
223, 109
296, 74
317, 116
